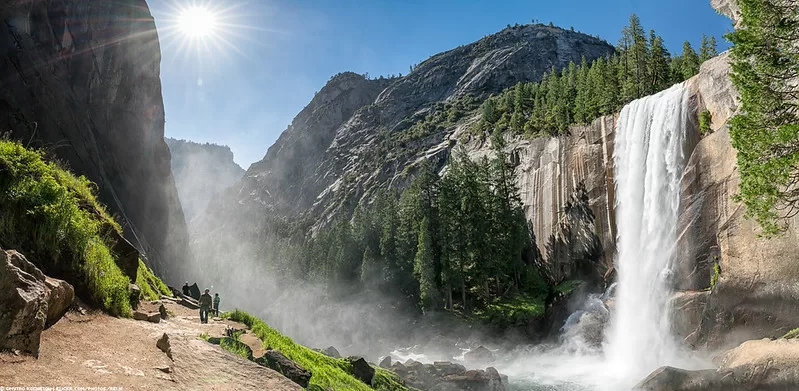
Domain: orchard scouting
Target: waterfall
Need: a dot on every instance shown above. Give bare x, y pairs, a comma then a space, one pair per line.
649, 158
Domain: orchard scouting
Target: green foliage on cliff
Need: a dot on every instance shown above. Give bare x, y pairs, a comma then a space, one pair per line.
716, 273
765, 67
327, 371
580, 93
705, 120
151, 286
512, 312
458, 241
54, 218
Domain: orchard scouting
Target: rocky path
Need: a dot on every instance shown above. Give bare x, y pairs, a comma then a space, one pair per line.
96, 350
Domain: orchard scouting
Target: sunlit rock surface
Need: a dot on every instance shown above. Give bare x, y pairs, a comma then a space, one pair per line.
81, 80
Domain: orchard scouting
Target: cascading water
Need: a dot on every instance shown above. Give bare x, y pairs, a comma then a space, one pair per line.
649, 158
650, 152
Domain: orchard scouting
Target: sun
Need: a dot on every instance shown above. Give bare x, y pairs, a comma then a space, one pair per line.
197, 22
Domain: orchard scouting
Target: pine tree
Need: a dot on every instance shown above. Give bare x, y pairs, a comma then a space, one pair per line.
708, 48
689, 61
425, 269
658, 65
765, 65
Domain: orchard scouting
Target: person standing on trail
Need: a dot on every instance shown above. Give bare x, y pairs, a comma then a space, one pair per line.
186, 289
216, 303
205, 306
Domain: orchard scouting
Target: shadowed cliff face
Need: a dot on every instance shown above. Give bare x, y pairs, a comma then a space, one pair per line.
81, 80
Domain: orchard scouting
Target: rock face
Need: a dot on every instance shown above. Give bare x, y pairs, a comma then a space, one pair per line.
81, 80
30, 302
756, 288
331, 153
361, 369
201, 171
754, 365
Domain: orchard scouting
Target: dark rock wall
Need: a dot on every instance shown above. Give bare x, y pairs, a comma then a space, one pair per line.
81, 80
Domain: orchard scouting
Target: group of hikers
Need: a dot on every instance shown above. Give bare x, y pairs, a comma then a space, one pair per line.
206, 302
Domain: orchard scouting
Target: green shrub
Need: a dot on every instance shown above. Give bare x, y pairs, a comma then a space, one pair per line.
151, 286
237, 347
509, 312
705, 119
791, 334
715, 277
327, 371
53, 216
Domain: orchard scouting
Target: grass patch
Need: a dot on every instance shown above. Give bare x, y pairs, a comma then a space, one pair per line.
53, 216
791, 334
327, 371
151, 286
516, 311
567, 287
237, 347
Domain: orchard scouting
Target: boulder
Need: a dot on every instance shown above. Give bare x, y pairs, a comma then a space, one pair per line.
134, 293
752, 366
164, 345
675, 379
162, 311
189, 303
23, 309
194, 291
361, 369
479, 356
153, 317
331, 352
277, 361
385, 362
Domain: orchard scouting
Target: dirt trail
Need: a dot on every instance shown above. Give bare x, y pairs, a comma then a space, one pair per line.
96, 350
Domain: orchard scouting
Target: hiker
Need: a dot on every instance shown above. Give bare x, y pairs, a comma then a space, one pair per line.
216, 303
205, 306
186, 289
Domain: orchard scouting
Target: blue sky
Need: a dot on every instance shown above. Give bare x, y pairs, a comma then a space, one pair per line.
243, 88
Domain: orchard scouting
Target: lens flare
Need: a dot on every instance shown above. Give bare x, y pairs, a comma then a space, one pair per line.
197, 22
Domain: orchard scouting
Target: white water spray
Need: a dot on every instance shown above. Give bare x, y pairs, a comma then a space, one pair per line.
649, 159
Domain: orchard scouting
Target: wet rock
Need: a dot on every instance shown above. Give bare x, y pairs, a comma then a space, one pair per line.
675, 379
164, 345
331, 352
361, 370
479, 356
277, 361
385, 362
194, 291
687, 309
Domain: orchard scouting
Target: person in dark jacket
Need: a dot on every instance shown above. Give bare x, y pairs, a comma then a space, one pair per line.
216, 304
205, 306
186, 289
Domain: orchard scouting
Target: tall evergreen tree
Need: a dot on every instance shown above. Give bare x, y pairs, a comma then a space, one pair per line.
708, 48
765, 65
425, 268
689, 61
658, 66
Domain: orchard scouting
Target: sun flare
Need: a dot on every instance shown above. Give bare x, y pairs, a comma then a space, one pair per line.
197, 22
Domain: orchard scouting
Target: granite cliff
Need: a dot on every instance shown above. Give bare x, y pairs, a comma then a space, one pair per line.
356, 135
81, 80
201, 171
